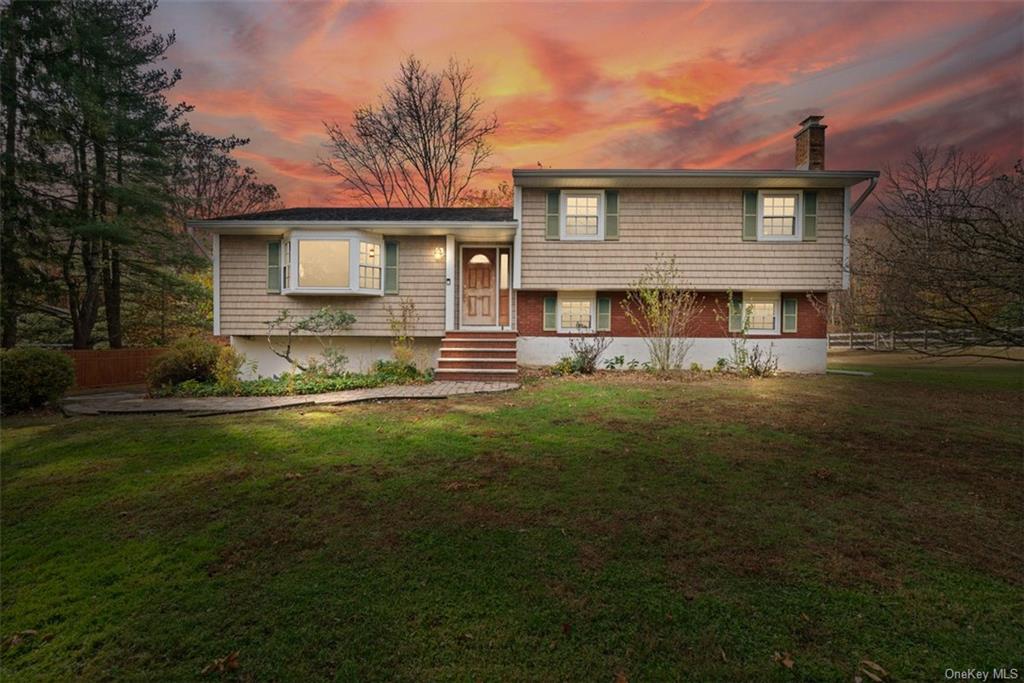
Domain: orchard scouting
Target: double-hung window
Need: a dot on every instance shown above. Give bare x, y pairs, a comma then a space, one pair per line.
779, 216
576, 312
582, 215
369, 265
755, 313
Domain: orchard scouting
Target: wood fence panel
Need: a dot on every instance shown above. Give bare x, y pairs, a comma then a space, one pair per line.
111, 367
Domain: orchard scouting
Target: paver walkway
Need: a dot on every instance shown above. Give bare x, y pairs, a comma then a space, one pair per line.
222, 405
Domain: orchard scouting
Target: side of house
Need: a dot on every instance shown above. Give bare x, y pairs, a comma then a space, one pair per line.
493, 288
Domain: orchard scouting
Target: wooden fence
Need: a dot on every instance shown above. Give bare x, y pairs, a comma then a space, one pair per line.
889, 341
111, 367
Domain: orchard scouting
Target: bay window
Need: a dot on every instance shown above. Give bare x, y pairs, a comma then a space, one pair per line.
322, 262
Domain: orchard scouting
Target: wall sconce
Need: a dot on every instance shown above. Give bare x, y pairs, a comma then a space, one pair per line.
438, 253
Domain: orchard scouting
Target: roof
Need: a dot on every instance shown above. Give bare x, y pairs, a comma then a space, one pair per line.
682, 177
360, 214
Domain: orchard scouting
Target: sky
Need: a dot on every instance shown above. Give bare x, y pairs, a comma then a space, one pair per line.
603, 85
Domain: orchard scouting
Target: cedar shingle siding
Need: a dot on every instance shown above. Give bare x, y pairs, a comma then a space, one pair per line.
245, 305
702, 228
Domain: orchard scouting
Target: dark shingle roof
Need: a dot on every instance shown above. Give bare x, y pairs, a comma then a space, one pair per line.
327, 213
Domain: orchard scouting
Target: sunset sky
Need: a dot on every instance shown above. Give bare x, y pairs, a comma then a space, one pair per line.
666, 85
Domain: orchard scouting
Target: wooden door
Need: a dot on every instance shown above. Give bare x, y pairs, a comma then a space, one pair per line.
478, 286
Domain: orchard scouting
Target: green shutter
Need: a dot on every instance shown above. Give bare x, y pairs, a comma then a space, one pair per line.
750, 215
550, 313
552, 226
391, 267
736, 313
789, 306
611, 215
274, 267
604, 314
810, 216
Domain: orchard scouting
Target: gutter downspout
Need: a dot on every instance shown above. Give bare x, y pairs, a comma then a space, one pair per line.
860, 200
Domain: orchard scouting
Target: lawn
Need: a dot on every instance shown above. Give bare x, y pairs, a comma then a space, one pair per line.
584, 529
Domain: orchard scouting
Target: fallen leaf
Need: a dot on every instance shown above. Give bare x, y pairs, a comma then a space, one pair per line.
292, 475
566, 628
222, 664
873, 671
621, 677
785, 659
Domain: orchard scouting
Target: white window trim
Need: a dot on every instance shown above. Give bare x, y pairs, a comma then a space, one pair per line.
563, 214
774, 298
576, 296
354, 238
798, 220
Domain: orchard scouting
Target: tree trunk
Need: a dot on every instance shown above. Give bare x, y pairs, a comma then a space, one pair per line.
10, 267
112, 296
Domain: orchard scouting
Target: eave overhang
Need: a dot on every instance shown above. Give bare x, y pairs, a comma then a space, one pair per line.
672, 178
462, 229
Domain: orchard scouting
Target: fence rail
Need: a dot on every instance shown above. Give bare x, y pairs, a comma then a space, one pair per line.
892, 340
96, 368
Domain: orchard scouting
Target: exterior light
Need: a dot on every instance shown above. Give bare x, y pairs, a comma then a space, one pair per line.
438, 253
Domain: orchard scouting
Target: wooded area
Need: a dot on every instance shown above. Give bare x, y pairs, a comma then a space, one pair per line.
100, 171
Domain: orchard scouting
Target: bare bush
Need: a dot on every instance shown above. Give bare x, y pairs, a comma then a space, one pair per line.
664, 313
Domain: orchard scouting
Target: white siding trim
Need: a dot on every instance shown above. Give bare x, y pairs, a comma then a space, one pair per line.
449, 282
846, 238
216, 284
517, 242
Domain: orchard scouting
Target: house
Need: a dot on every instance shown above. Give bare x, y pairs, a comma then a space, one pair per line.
497, 288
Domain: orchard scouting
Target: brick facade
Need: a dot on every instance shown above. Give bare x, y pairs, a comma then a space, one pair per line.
712, 322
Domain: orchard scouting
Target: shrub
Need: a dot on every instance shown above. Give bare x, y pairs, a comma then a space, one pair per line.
190, 358
226, 371
396, 372
33, 377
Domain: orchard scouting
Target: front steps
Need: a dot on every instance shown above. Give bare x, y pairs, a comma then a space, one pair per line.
478, 357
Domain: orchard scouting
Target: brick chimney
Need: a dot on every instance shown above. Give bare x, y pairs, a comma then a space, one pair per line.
810, 145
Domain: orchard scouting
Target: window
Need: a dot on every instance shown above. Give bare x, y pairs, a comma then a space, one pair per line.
779, 216
333, 262
575, 315
323, 263
582, 216
369, 265
286, 264
576, 312
760, 317
762, 312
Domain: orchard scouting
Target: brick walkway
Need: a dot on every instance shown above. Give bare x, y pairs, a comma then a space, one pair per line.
224, 405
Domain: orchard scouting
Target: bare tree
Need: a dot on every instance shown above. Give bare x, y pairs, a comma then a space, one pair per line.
663, 312
420, 145
205, 181
950, 258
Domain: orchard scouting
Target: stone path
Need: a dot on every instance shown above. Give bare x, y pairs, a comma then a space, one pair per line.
113, 404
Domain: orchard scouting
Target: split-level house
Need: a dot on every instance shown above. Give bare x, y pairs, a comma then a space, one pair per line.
495, 289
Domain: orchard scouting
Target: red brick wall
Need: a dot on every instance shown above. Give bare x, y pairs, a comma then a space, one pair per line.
712, 322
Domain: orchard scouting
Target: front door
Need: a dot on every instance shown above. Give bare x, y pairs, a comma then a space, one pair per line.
479, 294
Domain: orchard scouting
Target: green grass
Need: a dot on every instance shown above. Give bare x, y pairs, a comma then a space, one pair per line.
576, 529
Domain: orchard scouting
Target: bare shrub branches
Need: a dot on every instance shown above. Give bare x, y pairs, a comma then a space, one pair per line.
663, 312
